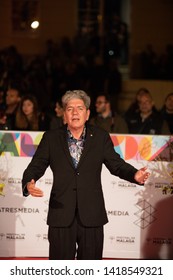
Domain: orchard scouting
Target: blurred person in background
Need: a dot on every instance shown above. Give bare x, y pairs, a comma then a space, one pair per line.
106, 118
28, 116
2, 99
167, 111
134, 106
2, 110
58, 119
147, 120
12, 99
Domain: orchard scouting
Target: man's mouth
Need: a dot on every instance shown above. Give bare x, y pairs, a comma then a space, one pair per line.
75, 119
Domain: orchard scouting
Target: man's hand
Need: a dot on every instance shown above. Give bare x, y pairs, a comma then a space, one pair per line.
33, 190
142, 175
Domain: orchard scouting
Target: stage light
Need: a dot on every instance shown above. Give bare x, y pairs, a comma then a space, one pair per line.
35, 24
111, 52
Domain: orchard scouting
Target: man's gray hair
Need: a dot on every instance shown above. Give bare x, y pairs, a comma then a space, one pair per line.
76, 94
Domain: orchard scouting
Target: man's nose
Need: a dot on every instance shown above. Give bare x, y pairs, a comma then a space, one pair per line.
75, 110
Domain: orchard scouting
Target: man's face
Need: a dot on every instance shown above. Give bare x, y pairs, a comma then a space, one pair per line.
169, 103
145, 104
76, 114
100, 104
12, 97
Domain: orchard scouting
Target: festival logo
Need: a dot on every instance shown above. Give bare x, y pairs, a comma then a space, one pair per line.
125, 239
15, 236
145, 214
122, 239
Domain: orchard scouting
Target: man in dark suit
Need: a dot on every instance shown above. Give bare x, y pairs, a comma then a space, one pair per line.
75, 154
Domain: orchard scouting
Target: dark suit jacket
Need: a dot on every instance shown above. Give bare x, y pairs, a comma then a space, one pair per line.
79, 187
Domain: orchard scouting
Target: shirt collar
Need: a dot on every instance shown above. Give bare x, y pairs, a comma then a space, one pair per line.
82, 137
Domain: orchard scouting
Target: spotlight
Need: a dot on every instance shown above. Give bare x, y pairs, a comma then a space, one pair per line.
111, 52
35, 24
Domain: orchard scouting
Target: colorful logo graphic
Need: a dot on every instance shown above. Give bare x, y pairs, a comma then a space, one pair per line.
144, 147
2, 185
20, 144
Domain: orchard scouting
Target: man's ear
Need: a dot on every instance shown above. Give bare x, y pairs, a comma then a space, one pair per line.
88, 114
64, 118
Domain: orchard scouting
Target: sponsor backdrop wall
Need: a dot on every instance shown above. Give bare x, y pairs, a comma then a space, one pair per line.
140, 217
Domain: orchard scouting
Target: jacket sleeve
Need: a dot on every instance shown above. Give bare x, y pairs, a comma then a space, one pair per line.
38, 164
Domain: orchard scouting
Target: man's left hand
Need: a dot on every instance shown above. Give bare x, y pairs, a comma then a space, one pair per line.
142, 175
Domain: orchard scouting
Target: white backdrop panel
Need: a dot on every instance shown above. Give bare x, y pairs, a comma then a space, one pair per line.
140, 217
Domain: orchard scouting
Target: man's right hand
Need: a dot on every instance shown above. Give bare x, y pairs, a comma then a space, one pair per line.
33, 190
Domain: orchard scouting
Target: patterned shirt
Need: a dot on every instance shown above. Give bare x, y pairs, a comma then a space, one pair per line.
76, 146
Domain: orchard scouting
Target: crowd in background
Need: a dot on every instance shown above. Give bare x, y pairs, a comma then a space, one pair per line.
154, 66
67, 65
31, 91
21, 112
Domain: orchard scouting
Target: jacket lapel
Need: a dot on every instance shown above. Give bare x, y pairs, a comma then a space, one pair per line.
88, 144
63, 139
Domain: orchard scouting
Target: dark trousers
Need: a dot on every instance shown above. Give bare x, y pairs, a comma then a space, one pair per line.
75, 241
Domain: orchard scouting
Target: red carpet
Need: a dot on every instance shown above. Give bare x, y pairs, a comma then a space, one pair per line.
26, 258
23, 258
